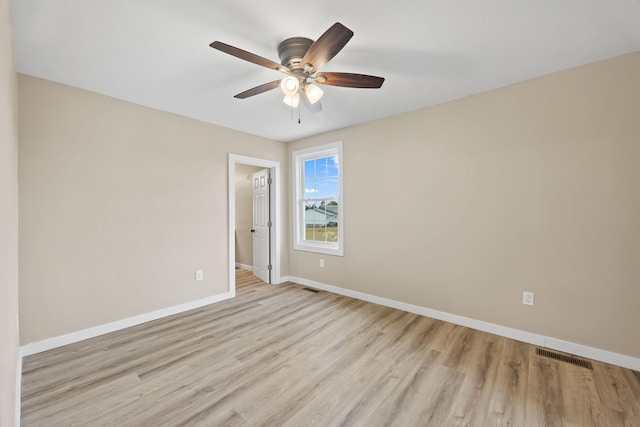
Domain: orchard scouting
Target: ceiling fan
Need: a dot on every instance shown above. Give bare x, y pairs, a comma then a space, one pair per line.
300, 59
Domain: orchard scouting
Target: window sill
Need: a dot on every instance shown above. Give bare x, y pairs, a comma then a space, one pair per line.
320, 249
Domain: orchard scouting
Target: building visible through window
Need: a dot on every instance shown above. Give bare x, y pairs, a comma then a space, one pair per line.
321, 199
318, 222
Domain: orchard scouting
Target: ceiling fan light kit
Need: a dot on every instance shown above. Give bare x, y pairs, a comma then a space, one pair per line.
292, 100
300, 59
289, 85
313, 92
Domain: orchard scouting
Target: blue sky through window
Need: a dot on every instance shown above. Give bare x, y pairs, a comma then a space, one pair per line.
321, 178
318, 207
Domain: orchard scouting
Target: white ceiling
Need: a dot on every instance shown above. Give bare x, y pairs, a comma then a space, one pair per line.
156, 52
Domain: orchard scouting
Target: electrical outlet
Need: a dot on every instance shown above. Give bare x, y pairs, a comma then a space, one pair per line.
199, 275
322, 263
527, 298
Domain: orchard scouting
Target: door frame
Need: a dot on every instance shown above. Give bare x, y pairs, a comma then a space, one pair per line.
274, 211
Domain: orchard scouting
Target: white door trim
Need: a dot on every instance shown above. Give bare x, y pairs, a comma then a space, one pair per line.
276, 191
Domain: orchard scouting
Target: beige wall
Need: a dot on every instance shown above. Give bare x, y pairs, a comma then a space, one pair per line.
457, 208
120, 204
8, 220
535, 186
244, 213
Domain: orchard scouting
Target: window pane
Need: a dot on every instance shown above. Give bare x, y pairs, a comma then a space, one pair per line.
310, 189
309, 210
332, 166
309, 231
321, 167
332, 222
332, 188
309, 169
320, 222
321, 189
309, 220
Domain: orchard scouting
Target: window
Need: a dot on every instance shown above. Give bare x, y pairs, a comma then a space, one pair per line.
318, 199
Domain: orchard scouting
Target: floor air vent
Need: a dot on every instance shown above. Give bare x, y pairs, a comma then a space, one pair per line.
564, 358
315, 291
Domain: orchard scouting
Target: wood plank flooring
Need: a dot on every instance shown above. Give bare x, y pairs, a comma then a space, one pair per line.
286, 356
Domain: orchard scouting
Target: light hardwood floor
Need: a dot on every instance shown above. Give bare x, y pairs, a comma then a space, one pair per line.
286, 356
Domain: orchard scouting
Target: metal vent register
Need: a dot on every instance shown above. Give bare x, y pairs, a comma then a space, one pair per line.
564, 358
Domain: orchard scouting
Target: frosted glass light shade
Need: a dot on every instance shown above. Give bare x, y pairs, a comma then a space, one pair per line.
292, 100
289, 85
314, 93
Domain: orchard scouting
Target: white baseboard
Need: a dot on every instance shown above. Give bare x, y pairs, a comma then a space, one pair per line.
17, 411
282, 280
50, 343
244, 266
516, 334
593, 353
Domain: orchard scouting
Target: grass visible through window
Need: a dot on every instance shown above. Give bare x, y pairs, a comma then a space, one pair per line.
322, 234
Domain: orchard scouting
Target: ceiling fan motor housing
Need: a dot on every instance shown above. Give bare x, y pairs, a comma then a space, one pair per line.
292, 50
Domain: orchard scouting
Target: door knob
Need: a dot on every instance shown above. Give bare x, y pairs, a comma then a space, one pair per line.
253, 231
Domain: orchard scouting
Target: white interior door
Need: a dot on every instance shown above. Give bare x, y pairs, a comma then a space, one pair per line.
261, 225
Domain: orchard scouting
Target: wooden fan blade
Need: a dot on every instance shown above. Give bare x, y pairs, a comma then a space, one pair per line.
248, 56
362, 81
327, 46
258, 90
312, 108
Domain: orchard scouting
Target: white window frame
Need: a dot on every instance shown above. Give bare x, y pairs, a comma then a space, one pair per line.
298, 159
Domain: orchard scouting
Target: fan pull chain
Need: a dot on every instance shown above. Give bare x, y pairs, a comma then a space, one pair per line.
299, 121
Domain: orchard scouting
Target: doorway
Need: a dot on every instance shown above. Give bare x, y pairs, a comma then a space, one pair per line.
260, 224
244, 188
273, 167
